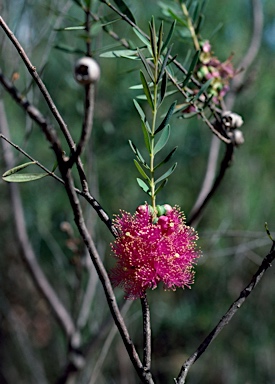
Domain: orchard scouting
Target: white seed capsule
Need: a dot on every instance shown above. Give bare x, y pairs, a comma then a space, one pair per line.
232, 120
86, 71
238, 137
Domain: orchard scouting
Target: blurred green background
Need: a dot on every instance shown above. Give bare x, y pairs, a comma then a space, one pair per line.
232, 235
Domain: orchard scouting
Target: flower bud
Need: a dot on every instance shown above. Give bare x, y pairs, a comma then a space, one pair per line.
142, 208
160, 210
86, 71
168, 208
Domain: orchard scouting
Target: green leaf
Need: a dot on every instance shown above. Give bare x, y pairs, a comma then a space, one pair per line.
125, 53
146, 65
142, 115
191, 68
143, 186
164, 63
163, 139
78, 2
143, 38
153, 37
146, 90
162, 88
146, 136
68, 49
166, 174
160, 187
203, 89
167, 158
138, 154
124, 9
160, 36
177, 18
12, 176
141, 170
167, 117
169, 36
76, 28
199, 24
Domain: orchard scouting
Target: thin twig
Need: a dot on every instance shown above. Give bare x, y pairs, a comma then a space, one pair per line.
32, 70
106, 346
103, 276
224, 166
209, 174
33, 112
88, 101
28, 253
227, 316
37, 116
237, 81
251, 54
146, 334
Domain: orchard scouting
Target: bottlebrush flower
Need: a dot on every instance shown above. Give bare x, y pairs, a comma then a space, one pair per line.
150, 250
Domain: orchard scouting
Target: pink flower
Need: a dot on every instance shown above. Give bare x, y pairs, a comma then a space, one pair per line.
150, 252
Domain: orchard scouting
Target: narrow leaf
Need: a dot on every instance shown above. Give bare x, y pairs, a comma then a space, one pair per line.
141, 171
153, 37
177, 18
164, 63
18, 168
199, 24
76, 28
203, 89
23, 177
68, 49
146, 65
146, 136
143, 38
124, 9
138, 154
166, 174
191, 68
167, 158
146, 90
143, 186
126, 53
142, 115
169, 36
160, 36
162, 89
163, 139
161, 186
78, 2
167, 117
13, 176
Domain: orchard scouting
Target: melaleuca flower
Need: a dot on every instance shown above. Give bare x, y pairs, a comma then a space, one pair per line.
210, 67
151, 249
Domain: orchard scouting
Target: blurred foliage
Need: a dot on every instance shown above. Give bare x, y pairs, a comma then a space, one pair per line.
232, 235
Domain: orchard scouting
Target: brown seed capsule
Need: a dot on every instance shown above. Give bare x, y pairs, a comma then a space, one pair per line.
86, 71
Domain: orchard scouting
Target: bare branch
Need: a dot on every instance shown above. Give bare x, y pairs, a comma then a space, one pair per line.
227, 316
32, 70
37, 116
146, 334
103, 276
224, 166
209, 175
106, 346
28, 253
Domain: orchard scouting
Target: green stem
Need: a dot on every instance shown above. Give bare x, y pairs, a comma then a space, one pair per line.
191, 27
155, 110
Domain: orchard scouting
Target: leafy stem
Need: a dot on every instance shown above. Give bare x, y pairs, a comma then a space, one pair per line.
155, 91
190, 26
